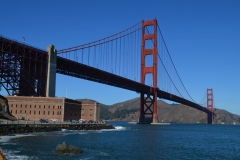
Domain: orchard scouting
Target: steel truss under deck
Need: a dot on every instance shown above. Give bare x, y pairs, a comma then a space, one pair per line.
23, 69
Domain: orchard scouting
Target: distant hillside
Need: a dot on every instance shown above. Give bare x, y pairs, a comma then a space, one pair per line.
175, 113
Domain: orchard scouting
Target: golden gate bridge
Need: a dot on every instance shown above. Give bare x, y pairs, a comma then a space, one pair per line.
135, 59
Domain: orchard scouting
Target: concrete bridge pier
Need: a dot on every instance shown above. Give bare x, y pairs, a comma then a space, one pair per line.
51, 71
148, 109
210, 118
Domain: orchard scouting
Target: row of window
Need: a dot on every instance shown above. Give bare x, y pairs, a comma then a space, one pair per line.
39, 112
35, 106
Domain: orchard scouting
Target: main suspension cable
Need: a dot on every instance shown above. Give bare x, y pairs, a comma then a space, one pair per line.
166, 69
173, 63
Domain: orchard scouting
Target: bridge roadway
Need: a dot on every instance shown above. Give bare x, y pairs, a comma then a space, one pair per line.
78, 70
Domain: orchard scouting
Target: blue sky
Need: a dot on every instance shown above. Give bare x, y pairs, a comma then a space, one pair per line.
202, 36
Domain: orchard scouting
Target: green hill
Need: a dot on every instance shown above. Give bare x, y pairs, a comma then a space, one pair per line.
174, 113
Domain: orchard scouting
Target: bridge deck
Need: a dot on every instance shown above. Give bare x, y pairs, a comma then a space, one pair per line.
78, 70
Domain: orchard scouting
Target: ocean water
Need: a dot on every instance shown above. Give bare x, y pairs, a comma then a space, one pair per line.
131, 141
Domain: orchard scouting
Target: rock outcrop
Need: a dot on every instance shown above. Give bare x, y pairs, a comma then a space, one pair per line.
4, 109
2, 157
64, 149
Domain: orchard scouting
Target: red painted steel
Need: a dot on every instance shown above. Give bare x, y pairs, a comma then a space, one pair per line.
210, 105
150, 102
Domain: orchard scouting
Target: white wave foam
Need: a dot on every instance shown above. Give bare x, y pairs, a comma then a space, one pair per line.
10, 154
120, 128
96, 152
65, 132
117, 128
103, 154
8, 137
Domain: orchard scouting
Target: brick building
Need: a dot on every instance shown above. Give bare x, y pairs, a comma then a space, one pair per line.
62, 109
90, 111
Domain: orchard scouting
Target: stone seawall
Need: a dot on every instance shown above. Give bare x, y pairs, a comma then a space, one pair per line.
7, 129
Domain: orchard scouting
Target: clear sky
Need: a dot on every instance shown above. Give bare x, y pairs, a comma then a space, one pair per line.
203, 37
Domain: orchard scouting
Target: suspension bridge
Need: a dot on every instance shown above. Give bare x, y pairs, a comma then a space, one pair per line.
136, 59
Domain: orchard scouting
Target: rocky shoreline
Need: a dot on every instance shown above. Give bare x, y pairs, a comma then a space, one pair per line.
2, 157
8, 129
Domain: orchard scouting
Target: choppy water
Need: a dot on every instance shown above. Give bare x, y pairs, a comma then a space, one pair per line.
131, 141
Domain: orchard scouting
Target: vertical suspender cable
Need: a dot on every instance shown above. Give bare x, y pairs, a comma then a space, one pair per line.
82, 55
111, 56
120, 55
88, 55
94, 61
116, 57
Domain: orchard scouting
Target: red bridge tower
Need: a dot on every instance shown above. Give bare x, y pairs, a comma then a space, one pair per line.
210, 105
148, 103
